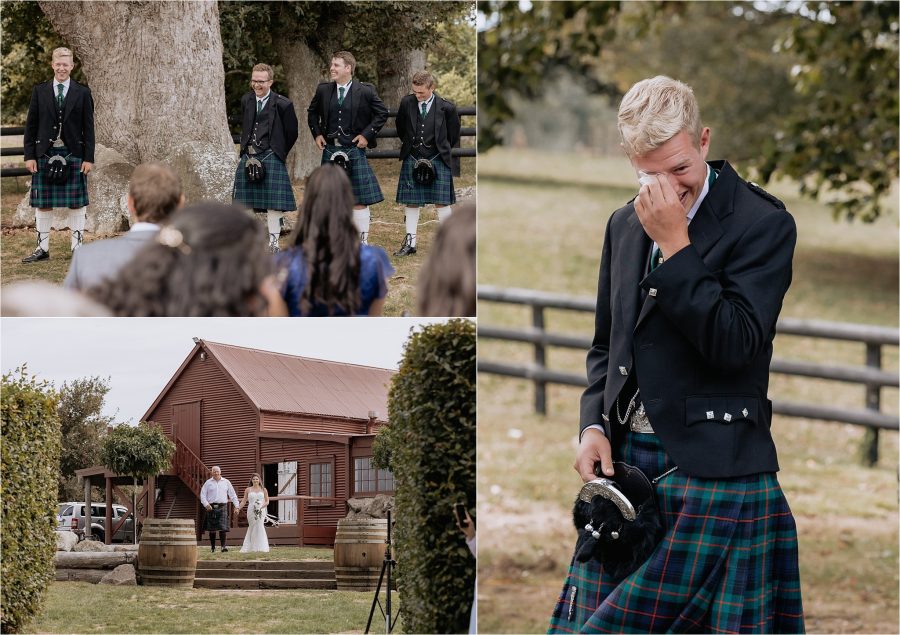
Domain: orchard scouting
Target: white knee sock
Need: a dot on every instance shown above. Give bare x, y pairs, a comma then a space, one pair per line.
444, 213
273, 222
412, 221
43, 220
361, 218
77, 218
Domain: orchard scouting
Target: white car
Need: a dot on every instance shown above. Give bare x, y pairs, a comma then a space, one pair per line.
71, 517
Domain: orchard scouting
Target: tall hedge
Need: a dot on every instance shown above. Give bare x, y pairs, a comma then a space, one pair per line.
430, 444
28, 472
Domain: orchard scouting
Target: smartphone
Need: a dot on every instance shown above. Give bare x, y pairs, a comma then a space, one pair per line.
460, 510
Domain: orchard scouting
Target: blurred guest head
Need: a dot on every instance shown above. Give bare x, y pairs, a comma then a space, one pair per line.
447, 280
330, 242
154, 192
210, 260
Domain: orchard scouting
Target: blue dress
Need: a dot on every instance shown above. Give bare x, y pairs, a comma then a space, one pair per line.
374, 270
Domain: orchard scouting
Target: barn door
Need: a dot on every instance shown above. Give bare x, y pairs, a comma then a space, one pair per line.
287, 486
186, 424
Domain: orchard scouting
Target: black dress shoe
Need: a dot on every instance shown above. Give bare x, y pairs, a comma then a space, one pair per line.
38, 254
407, 248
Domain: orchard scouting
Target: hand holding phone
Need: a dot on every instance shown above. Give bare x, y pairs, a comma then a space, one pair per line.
461, 515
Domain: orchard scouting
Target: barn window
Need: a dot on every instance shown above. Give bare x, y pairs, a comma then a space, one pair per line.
321, 480
368, 480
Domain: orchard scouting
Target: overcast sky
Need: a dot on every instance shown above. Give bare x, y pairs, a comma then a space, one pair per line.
140, 355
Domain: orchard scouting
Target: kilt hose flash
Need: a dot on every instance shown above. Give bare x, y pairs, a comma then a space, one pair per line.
274, 192
438, 192
73, 193
365, 186
728, 562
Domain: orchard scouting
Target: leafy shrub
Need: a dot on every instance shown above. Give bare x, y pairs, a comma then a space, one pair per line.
430, 445
139, 451
28, 473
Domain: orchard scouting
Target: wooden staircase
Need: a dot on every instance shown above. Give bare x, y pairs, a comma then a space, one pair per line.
265, 574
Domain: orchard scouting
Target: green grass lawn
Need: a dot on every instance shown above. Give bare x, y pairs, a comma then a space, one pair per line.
387, 230
277, 552
79, 607
541, 225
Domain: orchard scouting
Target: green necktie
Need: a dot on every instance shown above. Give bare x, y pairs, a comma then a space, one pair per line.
341, 96
258, 106
59, 95
424, 110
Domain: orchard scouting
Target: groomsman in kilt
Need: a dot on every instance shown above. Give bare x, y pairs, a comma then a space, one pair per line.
428, 126
692, 278
60, 123
268, 132
214, 497
344, 117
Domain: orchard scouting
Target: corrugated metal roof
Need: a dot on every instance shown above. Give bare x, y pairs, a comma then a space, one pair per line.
287, 383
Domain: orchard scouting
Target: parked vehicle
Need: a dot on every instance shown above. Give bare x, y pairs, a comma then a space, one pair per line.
71, 516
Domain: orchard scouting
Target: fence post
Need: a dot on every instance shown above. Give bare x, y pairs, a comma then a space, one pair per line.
873, 402
540, 387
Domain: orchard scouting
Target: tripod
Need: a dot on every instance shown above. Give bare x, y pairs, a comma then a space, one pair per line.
387, 566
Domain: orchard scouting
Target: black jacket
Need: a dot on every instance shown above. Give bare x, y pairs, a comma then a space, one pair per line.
284, 130
367, 112
78, 121
698, 330
446, 133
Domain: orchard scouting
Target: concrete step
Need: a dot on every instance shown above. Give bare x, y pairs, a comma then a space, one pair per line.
263, 583
267, 565
284, 574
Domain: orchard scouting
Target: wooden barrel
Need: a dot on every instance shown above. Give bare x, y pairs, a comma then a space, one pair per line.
167, 553
359, 546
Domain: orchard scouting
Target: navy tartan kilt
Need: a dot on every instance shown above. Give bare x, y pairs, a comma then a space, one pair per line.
274, 192
73, 193
217, 519
362, 178
728, 562
439, 192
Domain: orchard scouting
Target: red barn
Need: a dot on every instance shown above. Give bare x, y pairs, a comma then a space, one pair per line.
305, 425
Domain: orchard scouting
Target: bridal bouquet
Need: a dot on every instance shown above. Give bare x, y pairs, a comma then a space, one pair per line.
257, 509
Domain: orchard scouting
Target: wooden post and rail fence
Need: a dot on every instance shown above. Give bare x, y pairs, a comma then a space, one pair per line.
871, 377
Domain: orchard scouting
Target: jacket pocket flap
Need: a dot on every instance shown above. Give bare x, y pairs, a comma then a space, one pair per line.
723, 409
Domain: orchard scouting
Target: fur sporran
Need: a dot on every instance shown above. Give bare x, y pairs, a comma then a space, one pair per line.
618, 520
342, 160
423, 172
255, 170
57, 170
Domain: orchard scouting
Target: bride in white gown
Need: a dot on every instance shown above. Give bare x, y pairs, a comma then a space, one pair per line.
257, 499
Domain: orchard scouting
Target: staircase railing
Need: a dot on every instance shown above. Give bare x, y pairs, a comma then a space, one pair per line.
189, 468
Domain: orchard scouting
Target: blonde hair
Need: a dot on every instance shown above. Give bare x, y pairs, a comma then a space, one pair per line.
260, 68
62, 51
655, 110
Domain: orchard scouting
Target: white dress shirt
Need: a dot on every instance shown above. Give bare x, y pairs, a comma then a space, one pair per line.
220, 491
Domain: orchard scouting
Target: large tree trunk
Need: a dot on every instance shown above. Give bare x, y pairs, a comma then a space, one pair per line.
156, 74
303, 70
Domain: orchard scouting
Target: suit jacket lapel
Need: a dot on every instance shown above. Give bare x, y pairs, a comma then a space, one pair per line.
636, 246
354, 100
71, 95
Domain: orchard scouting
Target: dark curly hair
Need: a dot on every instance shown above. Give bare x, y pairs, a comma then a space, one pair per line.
330, 242
209, 261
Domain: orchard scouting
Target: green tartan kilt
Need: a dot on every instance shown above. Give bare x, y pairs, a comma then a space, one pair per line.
274, 192
362, 178
439, 192
728, 562
72, 194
